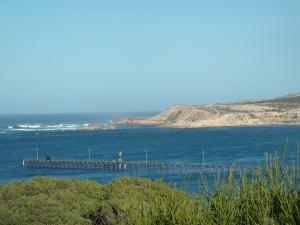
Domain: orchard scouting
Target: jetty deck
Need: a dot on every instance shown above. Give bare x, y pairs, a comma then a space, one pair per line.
122, 165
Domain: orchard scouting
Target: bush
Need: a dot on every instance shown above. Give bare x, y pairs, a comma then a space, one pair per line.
269, 197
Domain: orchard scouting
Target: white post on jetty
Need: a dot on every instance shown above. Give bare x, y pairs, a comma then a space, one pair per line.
146, 154
120, 160
89, 154
202, 157
120, 156
37, 153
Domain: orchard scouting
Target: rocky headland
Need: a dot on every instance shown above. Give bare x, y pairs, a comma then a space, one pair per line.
277, 111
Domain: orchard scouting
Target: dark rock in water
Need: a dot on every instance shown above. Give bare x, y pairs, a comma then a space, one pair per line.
108, 214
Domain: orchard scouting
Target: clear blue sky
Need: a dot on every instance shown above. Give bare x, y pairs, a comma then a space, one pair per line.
97, 56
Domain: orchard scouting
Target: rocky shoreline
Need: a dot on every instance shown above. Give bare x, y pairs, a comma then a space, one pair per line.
91, 127
278, 111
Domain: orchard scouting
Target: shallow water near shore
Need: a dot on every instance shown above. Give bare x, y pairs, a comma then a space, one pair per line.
220, 145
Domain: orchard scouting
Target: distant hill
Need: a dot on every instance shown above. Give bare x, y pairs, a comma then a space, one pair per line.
281, 110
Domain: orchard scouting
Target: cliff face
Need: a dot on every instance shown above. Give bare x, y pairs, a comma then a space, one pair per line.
283, 110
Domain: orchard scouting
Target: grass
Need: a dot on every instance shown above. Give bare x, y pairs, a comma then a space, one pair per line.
270, 196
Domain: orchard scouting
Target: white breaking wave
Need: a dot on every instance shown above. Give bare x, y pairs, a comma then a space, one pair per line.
29, 126
55, 126
52, 127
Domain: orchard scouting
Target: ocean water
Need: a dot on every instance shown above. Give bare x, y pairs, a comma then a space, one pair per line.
56, 135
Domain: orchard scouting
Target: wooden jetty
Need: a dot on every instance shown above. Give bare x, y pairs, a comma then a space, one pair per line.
132, 165
122, 165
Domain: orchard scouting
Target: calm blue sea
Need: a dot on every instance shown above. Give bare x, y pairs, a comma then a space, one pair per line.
57, 135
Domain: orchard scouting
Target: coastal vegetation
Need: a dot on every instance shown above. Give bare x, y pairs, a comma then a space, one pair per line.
270, 196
